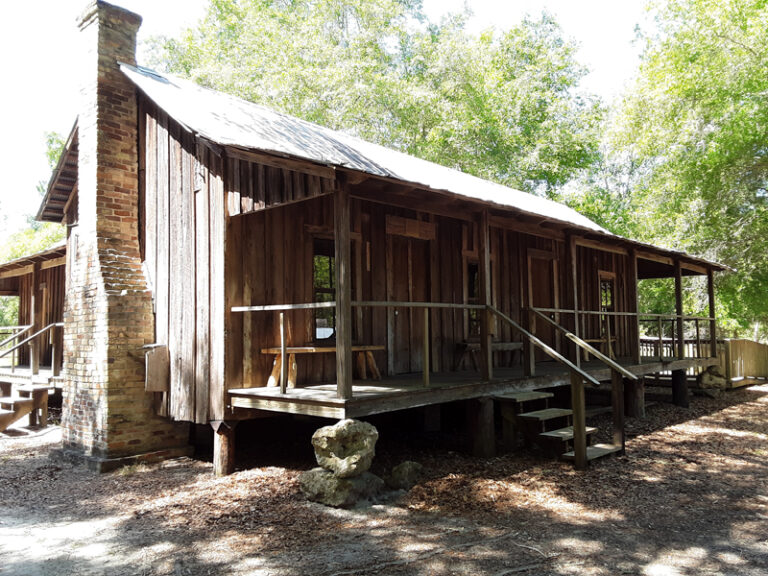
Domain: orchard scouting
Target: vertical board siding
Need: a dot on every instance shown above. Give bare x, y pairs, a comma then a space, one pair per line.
182, 190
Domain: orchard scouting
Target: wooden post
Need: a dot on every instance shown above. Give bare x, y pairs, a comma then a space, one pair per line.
341, 221
712, 321
680, 388
661, 338
223, 447
573, 256
486, 349
283, 365
634, 398
432, 418
579, 422
679, 310
426, 348
54, 356
482, 427
635, 323
36, 319
617, 401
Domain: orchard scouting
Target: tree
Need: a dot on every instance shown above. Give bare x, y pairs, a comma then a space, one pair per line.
503, 107
37, 237
690, 141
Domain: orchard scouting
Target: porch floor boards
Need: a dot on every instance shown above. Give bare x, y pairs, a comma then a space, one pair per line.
408, 391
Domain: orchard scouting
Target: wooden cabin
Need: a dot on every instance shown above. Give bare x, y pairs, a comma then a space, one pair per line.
293, 269
33, 346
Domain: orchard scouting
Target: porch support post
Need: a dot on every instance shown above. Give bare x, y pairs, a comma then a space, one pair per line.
36, 306
634, 398
680, 388
679, 310
572, 256
579, 422
617, 402
482, 429
712, 322
486, 349
635, 321
341, 221
223, 446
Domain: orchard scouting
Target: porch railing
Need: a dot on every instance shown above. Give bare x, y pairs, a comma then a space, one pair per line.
32, 341
662, 336
16, 333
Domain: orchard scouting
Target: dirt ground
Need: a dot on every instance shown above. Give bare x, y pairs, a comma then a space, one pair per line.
689, 498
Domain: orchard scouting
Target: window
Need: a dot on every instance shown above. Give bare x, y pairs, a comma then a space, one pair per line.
324, 287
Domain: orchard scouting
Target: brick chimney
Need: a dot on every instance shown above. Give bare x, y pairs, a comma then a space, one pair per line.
108, 418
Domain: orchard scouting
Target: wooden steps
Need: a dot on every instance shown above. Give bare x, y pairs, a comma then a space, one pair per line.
565, 434
595, 452
524, 396
546, 414
30, 399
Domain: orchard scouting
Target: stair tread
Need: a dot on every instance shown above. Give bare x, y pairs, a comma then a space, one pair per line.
15, 400
524, 396
596, 451
565, 433
33, 387
546, 414
3, 411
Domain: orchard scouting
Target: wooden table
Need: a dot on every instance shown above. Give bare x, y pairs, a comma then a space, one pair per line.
365, 361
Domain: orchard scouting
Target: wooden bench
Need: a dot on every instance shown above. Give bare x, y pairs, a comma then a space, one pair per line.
365, 361
472, 347
602, 343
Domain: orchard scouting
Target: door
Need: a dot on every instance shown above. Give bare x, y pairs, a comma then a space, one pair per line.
407, 281
543, 293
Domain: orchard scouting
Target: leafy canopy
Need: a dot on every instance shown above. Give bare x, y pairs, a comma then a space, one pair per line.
503, 107
685, 161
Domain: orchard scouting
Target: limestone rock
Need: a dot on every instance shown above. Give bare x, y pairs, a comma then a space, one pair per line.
324, 486
712, 378
346, 448
404, 476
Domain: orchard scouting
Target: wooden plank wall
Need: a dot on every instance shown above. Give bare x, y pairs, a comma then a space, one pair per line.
52, 309
589, 264
182, 186
276, 247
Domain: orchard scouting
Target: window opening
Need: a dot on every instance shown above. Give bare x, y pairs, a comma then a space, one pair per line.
324, 287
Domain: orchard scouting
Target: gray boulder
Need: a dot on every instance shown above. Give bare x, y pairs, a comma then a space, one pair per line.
405, 476
323, 486
346, 448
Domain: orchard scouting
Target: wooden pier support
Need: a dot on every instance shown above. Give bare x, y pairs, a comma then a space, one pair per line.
481, 427
223, 447
634, 398
680, 388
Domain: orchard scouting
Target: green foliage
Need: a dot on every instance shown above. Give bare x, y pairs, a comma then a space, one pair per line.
38, 236
501, 107
685, 157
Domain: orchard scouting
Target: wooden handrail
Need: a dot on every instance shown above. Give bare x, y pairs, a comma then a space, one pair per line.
548, 350
30, 338
586, 346
21, 330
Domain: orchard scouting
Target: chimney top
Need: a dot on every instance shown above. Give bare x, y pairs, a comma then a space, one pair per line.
100, 9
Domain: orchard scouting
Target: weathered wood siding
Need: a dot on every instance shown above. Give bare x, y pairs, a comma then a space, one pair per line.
182, 244
51, 310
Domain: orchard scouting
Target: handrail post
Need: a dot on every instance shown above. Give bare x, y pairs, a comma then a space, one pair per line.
579, 421
617, 402
661, 338
283, 365
486, 349
679, 309
426, 343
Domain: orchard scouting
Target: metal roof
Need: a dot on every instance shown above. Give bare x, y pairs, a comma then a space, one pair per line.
231, 121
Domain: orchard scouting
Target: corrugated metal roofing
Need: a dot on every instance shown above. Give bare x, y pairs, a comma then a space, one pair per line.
231, 121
